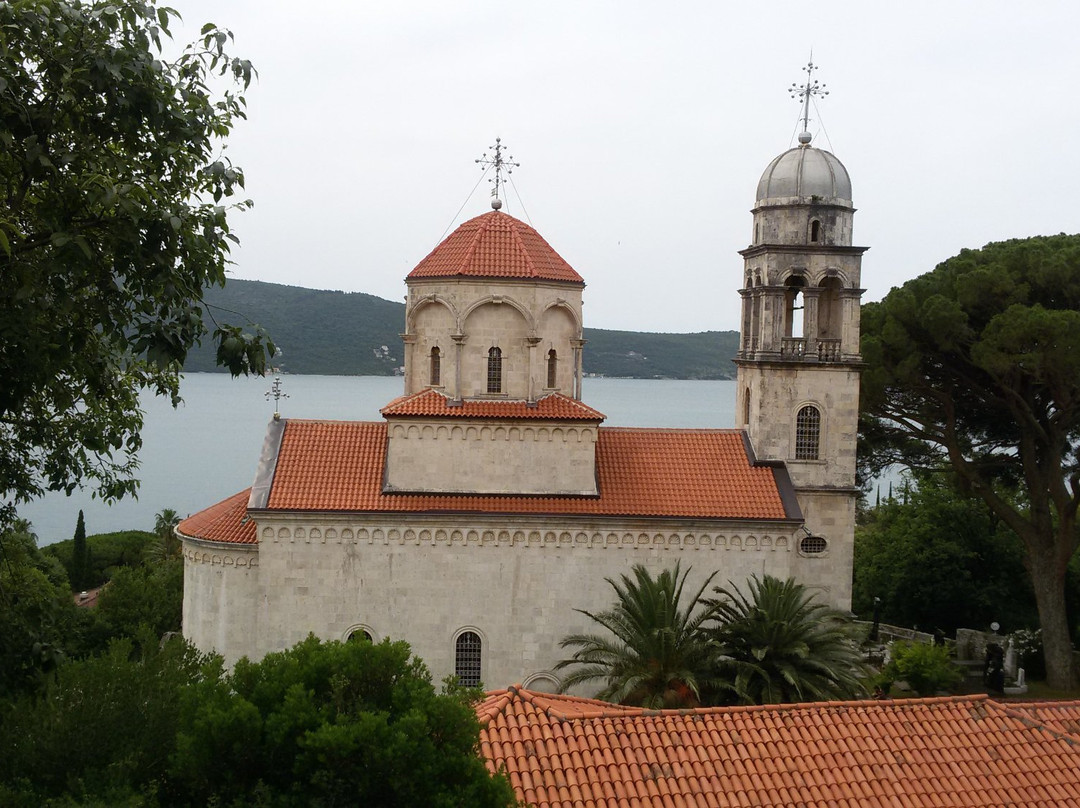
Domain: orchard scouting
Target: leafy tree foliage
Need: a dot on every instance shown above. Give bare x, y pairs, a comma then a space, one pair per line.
777, 644
37, 615
654, 653
113, 221
108, 552
940, 560
333, 724
103, 730
927, 668
976, 366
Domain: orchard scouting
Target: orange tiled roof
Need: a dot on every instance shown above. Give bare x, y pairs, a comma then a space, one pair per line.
1063, 716
223, 522
565, 752
552, 407
685, 473
495, 245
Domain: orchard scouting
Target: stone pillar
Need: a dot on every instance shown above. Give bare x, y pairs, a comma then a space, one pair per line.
459, 343
577, 344
409, 341
811, 296
531, 342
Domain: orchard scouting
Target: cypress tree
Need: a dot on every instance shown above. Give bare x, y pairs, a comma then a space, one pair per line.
80, 559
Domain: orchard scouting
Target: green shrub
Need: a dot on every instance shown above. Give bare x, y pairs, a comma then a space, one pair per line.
926, 668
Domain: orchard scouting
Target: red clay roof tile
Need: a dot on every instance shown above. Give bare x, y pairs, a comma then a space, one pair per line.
684, 473
432, 403
225, 522
914, 753
495, 245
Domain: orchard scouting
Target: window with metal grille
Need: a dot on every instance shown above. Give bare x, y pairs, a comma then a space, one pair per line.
553, 366
436, 367
494, 380
813, 545
807, 433
467, 659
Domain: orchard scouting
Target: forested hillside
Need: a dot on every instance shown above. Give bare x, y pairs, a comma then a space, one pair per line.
356, 334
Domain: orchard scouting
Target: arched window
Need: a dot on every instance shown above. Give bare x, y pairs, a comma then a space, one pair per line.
494, 376
436, 367
815, 231
553, 367
807, 433
746, 408
793, 299
467, 658
360, 635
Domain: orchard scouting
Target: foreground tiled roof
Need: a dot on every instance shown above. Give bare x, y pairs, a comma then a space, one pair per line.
432, 403
564, 752
223, 522
495, 245
704, 473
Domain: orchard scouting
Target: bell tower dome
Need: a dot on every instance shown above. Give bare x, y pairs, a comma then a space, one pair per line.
798, 359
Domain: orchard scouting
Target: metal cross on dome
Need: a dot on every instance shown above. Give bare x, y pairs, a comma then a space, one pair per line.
500, 164
805, 92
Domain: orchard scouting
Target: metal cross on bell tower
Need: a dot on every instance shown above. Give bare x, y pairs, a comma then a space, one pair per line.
804, 93
502, 165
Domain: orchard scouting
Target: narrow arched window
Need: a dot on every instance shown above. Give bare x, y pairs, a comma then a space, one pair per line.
807, 433
553, 367
746, 408
436, 367
494, 375
467, 658
815, 231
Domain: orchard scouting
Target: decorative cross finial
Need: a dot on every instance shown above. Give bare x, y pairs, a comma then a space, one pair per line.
804, 93
275, 392
501, 165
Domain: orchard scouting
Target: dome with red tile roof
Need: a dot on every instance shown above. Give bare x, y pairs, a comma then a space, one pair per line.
496, 245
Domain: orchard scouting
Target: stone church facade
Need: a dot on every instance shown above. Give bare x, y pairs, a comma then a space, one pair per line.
489, 503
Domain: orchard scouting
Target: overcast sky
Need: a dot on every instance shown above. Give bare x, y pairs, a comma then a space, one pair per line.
642, 129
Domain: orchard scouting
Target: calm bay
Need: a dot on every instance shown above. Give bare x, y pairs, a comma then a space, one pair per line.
207, 448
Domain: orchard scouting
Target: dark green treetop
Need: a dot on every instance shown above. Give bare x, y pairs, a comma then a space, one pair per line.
976, 366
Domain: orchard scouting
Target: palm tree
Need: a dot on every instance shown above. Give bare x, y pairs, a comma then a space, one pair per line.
780, 645
167, 546
656, 655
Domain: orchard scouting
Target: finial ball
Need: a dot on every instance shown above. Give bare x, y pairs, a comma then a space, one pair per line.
805, 137
496, 203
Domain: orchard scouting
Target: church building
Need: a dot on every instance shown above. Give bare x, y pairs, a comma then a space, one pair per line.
490, 502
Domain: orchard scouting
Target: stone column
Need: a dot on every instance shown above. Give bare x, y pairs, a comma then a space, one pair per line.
531, 342
410, 363
459, 343
810, 319
577, 345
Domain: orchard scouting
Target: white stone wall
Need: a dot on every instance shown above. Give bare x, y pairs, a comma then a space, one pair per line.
466, 318
491, 458
515, 581
222, 596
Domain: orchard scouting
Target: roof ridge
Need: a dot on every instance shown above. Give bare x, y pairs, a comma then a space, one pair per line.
530, 266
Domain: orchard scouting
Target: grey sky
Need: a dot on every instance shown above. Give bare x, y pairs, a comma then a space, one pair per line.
642, 129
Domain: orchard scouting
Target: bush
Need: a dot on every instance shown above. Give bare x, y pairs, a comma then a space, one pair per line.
926, 668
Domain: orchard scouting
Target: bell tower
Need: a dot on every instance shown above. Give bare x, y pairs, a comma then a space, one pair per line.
798, 359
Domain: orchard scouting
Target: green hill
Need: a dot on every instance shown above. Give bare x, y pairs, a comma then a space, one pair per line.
356, 334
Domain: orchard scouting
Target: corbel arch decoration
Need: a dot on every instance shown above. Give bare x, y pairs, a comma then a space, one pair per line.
498, 300
430, 300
